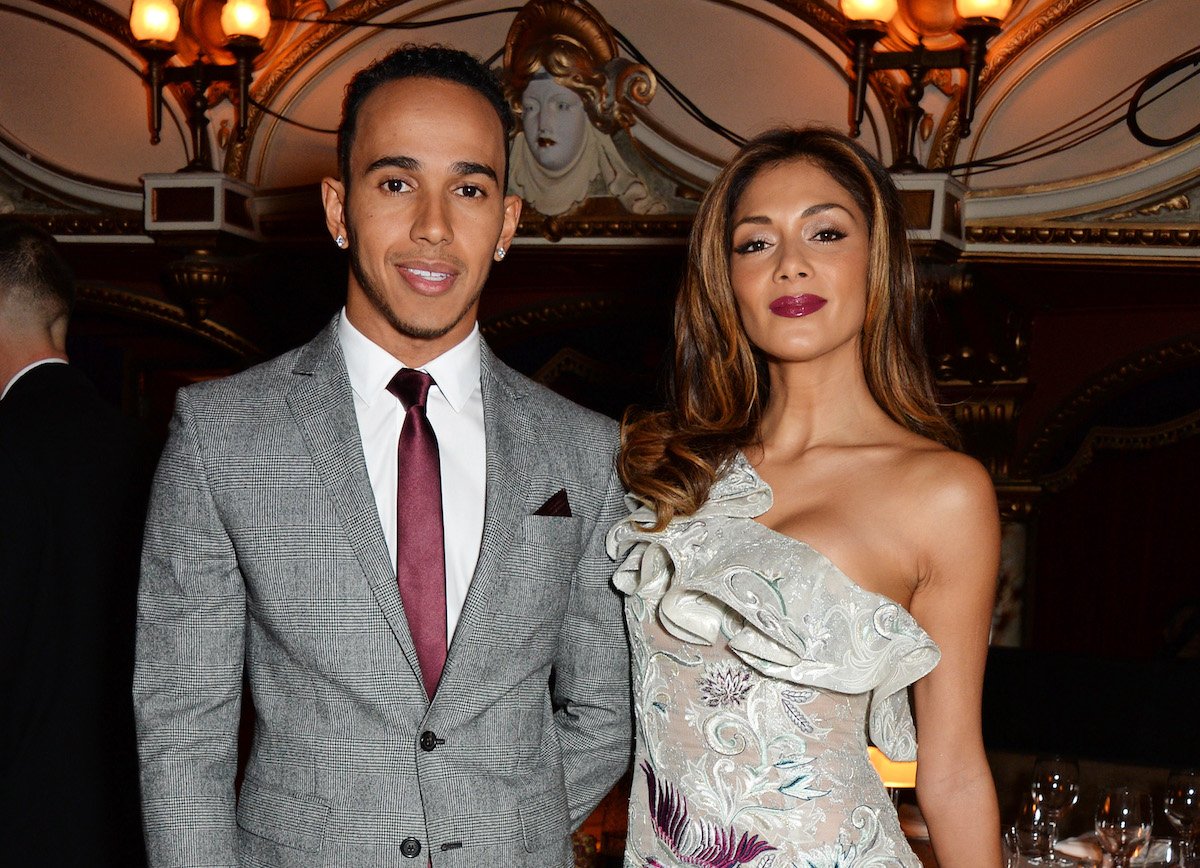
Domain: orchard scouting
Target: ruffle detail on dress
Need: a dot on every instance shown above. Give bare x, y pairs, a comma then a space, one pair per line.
798, 617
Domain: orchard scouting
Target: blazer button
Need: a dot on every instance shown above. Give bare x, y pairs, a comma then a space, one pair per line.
410, 848
429, 740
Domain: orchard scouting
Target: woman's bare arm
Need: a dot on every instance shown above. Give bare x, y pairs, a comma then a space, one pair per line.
957, 525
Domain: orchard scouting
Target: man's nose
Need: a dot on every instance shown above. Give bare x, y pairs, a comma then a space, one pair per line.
432, 221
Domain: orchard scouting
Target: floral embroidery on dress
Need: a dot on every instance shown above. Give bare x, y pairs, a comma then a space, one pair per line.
758, 670
724, 684
695, 841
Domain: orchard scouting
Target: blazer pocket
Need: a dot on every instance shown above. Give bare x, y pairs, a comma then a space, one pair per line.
544, 817
286, 818
558, 532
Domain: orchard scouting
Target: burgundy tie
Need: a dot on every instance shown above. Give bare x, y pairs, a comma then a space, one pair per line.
420, 545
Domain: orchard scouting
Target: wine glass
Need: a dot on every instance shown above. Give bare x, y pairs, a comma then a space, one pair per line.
1123, 822
1181, 804
1032, 834
1056, 781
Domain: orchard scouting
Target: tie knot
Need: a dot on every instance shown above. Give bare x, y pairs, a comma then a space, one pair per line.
411, 387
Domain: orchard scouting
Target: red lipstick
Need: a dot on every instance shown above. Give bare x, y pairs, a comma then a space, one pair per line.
797, 305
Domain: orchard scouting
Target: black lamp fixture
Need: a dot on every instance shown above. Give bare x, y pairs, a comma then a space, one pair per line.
155, 24
980, 22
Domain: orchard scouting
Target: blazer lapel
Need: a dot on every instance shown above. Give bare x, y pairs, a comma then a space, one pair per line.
323, 405
508, 436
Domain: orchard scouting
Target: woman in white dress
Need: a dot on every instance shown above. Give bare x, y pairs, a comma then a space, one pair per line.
806, 543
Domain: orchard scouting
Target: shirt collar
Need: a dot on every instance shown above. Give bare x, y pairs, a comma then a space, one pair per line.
371, 367
25, 370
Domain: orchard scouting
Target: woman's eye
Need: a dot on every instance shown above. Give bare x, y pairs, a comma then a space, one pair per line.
395, 185
752, 246
829, 235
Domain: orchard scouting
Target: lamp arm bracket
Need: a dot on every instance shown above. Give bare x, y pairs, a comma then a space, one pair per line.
206, 72
950, 58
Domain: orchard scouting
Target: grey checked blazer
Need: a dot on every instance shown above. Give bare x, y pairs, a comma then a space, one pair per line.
264, 554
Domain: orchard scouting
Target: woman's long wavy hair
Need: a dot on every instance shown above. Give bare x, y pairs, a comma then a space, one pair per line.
719, 388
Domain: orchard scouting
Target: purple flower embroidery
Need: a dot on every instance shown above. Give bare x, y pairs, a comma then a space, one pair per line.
723, 685
695, 842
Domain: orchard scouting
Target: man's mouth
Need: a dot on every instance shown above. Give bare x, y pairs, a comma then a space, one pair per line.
428, 279
429, 275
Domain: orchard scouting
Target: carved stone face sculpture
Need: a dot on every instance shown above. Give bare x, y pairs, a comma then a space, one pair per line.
554, 121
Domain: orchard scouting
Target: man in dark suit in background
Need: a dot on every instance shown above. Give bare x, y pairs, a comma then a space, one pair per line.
71, 505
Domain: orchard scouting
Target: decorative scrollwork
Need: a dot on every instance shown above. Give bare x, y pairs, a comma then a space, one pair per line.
127, 303
1083, 403
1178, 202
1086, 235
1148, 437
976, 336
87, 224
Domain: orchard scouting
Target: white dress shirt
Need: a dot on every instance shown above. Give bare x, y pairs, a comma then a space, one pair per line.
455, 410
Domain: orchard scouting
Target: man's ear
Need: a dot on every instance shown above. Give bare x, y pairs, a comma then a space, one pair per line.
333, 196
512, 216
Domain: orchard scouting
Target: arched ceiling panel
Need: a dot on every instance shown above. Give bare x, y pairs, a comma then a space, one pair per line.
74, 105
1093, 59
310, 88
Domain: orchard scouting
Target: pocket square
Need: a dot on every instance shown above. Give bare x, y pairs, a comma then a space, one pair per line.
556, 505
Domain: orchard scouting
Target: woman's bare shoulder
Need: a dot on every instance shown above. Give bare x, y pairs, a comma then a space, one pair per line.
947, 488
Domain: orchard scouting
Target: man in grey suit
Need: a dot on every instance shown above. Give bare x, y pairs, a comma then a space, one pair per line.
292, 536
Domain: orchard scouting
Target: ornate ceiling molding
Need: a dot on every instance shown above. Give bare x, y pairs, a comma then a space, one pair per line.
1124, 440
1115, 380
1083, 236
125, 303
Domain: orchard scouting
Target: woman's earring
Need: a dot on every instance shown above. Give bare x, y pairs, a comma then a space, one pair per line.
499, 253
340, 241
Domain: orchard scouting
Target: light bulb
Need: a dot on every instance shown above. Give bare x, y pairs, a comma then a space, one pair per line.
246, 18
156, 20
982, 8
869, 10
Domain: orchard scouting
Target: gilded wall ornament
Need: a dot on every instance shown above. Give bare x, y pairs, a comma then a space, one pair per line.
575, 101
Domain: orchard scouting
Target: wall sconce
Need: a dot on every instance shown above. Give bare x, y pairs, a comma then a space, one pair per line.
155, 24
868, 24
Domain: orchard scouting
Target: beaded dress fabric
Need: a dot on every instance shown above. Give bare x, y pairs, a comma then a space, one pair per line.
759, 673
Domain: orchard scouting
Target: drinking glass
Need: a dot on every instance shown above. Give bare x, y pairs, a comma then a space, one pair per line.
1123, 822
1181, 804
1032, 833
1056, 780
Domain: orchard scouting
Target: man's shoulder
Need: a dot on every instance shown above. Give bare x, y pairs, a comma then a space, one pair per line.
261, 384
60, 401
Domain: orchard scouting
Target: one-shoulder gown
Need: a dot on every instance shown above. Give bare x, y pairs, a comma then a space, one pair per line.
760, 674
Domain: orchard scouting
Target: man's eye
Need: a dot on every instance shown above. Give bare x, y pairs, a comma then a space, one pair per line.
470, 191
395, 185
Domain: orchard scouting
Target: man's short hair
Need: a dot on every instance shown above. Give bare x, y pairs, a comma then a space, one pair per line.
32, 271
421, 61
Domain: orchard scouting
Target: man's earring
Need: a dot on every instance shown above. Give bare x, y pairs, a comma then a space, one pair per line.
340, 241
499, 253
